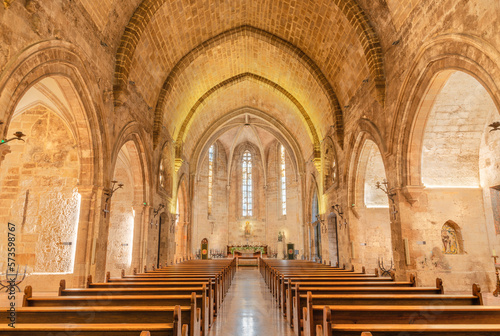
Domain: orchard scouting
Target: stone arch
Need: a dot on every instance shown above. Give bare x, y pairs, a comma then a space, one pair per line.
370, 225
132, 132
351, 10
249, 76
449, 52
238, 154
61, 61
125, 231
268, 38
313, 214
366, 130
275, 127
39, 188
182, 229
130, 135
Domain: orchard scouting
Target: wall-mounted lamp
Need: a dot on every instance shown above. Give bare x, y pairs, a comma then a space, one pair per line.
17, 136
384, 186
495, 126
324, 229
156, 212
338, 210
110, 193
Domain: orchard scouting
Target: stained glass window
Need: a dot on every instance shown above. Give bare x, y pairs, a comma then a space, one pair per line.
449, 238
211, 155
247, 184
283, 180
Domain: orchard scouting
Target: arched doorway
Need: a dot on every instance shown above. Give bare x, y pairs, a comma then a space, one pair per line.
46, 181
370, 228
455, 157
124, 225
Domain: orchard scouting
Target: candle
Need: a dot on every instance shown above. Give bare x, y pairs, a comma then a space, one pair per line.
494, 253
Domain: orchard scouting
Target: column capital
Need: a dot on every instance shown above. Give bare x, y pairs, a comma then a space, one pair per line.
4, 150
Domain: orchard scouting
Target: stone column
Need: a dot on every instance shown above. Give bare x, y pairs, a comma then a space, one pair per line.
101, 235
139, 231
173, 251
146, 219
84, 241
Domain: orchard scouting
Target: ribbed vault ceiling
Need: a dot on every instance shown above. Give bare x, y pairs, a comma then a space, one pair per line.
317, 53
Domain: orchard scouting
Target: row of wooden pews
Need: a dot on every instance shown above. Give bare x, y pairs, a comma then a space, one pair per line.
180, 300
323, 300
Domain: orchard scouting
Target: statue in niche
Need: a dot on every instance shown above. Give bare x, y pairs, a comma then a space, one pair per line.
280, 236
248, 229
449, 239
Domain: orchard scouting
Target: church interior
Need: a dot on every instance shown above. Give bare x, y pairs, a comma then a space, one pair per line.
247, 144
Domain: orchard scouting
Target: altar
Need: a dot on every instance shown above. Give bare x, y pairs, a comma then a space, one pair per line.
238, 250
247, 255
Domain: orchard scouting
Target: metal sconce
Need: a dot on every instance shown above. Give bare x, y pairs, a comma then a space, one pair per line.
495, 126
110, 193
156, 212
17, 136
324, 228
338, 210
384, 186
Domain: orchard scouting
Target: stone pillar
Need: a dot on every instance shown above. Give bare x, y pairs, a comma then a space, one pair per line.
84, 241
173, 228
101, 235
146, 219
139, 232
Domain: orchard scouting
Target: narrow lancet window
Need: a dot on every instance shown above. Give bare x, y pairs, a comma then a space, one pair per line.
247, 184
283, 180
211, 151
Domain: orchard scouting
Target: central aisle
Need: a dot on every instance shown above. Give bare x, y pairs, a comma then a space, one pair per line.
249, 309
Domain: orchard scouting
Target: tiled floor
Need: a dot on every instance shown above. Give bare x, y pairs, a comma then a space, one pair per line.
249, 309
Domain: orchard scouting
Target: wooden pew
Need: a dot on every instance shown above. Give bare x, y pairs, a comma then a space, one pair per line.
220, 286
288, 287
158, 290
321, 315
410, 330
308, 300
155, 282
102, 329
192, 300
298, 289
93, 322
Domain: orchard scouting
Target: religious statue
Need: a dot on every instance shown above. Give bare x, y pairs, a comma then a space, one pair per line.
280, 236
247, 229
